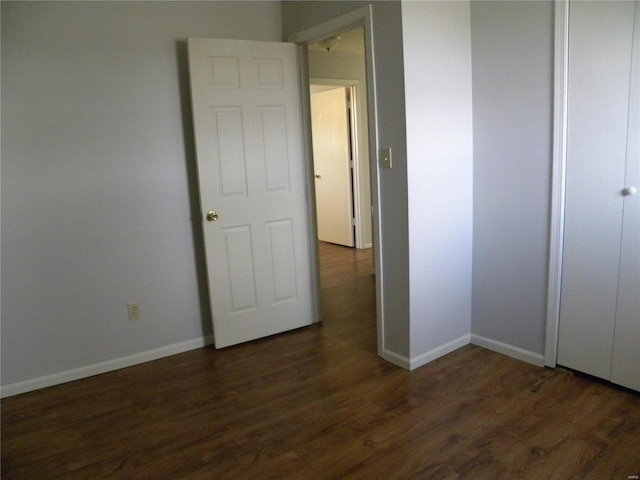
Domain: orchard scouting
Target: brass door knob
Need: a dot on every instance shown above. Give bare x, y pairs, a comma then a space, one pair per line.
212, 216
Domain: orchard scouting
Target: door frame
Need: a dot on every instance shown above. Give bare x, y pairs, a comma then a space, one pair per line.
355, 90
558, 183
362, 17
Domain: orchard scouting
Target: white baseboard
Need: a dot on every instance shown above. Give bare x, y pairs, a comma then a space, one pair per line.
509, 350
399, 360
424, 358
392, 357
103, 367
438, 352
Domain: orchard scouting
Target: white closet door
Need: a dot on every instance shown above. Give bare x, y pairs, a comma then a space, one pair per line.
600, 51
625, 368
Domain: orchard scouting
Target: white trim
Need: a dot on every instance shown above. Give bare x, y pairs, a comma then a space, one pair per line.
440, 351
314, 258
558, 181
399, 360
360, 17
103, 367
493, 345
508, 350
377, 220
335, 26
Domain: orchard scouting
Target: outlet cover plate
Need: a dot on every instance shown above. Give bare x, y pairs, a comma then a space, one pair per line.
134, 311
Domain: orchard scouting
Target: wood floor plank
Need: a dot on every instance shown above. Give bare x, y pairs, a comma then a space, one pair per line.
317, 403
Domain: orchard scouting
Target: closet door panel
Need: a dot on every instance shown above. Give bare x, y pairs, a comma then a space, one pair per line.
599, 42
625, 368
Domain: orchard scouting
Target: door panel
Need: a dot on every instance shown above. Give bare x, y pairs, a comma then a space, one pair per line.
331, 161
228, 149
625, 367
600, 41
251, 171
281, 246
240, 266
273, 142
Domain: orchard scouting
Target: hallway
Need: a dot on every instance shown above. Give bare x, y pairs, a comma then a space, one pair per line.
348, 294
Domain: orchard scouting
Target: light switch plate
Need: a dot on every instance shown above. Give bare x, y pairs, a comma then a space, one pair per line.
385, 157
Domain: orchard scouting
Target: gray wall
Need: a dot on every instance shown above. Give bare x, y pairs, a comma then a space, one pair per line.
512, 87
512, 48
437, 62
99, 191
389, 87
98, 184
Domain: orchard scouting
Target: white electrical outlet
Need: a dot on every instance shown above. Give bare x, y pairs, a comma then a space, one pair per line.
134, 311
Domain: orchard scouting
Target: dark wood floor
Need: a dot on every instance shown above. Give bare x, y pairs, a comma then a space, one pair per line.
318, 403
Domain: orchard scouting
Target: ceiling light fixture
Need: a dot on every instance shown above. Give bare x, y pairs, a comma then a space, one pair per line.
330, 42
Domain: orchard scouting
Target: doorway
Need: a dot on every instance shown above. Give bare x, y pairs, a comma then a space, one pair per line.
343, 65
334, 159
336, 77
358, 19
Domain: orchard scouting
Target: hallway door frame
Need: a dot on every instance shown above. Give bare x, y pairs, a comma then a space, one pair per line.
361, 17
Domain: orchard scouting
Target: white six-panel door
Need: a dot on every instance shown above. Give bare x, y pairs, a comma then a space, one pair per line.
599, 327
251, 172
